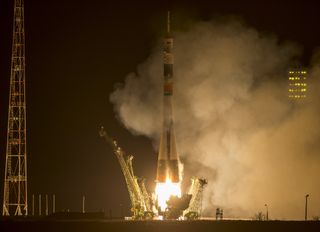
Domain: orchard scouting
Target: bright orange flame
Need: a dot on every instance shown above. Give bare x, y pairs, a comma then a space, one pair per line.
165, 190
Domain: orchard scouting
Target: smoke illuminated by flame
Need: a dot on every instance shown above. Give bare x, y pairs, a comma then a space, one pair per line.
234, 123
165, 190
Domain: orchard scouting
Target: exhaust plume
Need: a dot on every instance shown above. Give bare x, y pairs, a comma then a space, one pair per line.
234, 123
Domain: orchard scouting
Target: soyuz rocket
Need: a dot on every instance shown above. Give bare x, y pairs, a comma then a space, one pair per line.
168, 159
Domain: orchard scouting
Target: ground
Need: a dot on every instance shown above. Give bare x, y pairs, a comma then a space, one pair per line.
155, 226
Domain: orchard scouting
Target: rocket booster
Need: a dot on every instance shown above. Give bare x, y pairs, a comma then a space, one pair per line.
168, 159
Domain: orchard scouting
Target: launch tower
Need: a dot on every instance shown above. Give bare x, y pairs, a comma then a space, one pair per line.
15, 198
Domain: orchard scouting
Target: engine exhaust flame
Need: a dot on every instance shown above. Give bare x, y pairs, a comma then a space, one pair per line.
165, 190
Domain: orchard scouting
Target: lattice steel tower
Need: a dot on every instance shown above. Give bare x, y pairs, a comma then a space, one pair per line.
15, 198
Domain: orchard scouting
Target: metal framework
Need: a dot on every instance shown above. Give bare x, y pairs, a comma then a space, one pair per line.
15, 198
195, 206
140, 200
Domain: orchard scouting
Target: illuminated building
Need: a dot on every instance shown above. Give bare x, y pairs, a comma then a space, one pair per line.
298, 86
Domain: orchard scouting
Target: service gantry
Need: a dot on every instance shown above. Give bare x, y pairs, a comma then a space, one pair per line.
140, 199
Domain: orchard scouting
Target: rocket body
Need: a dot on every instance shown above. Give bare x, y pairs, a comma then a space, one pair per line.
168, 159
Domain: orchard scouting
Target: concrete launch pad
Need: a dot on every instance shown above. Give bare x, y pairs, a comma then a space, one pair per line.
7, 224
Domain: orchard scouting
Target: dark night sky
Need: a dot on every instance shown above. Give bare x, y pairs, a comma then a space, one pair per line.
76, 51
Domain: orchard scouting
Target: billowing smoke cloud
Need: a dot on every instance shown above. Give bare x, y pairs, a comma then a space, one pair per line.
235, 125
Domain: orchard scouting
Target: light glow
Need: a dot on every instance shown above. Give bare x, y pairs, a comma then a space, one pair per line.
165, 190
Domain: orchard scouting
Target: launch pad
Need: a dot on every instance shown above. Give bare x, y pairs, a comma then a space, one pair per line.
144, 205
29, 224
167, 201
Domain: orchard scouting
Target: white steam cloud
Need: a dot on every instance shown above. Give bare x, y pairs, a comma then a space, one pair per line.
235, 125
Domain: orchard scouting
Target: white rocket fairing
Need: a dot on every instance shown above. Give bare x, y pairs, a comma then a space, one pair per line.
168, 159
